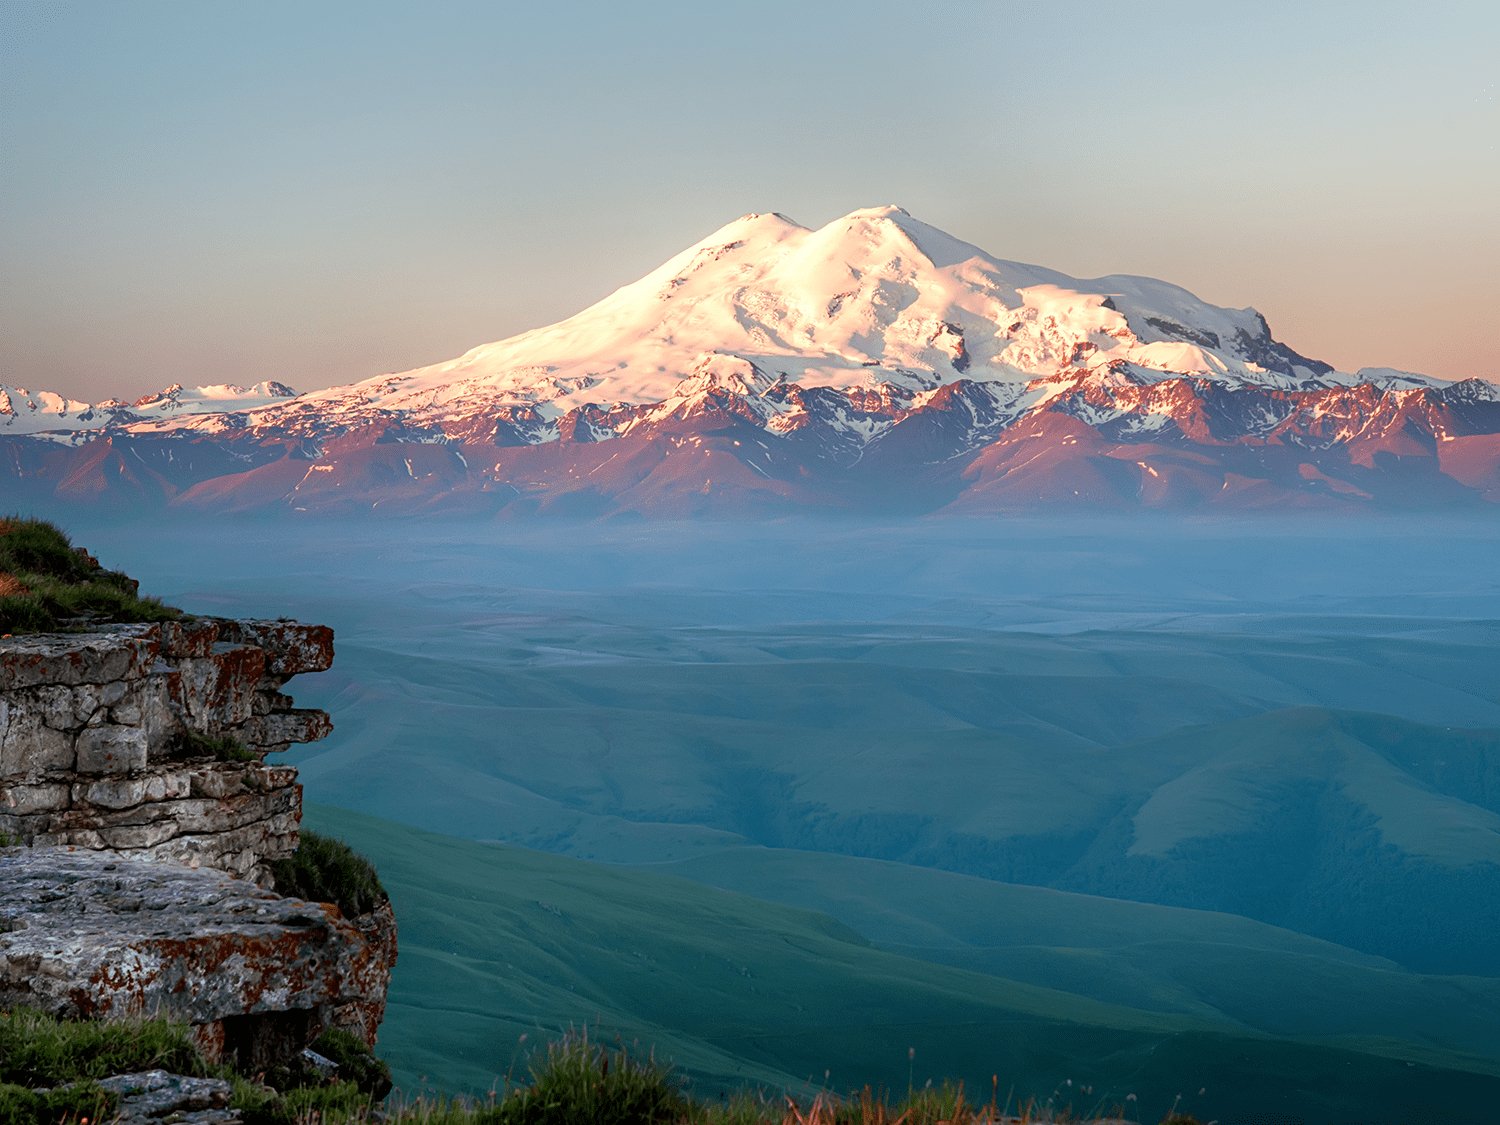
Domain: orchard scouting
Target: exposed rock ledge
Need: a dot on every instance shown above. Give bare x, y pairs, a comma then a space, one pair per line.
88, 934
132, 768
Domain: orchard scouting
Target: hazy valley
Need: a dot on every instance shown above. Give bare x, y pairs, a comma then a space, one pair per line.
1125, 803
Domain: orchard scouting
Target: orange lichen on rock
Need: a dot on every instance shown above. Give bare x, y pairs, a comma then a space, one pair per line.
92, 935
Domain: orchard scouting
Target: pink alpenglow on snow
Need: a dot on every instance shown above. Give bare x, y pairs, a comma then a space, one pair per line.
874, 363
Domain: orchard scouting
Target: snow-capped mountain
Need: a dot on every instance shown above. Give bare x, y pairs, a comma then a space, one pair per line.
876, 299
873, 362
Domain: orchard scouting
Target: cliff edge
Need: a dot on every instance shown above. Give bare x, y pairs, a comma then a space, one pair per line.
140, 829
151, 739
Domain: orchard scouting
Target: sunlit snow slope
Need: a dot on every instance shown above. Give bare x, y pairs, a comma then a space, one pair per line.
876, 297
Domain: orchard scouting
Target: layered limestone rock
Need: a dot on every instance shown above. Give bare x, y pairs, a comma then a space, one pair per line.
95, 935
151, 739
138, 825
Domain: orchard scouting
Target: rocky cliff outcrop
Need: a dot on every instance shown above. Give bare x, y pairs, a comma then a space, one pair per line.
151, 739
139, 824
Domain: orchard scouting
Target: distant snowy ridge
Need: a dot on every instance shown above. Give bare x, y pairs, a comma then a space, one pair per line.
876, 300
34, 412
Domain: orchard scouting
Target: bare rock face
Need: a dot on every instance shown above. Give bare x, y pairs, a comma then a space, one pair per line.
132, 766
90, 934
151, 739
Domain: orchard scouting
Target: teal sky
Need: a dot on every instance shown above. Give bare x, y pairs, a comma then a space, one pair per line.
318, 192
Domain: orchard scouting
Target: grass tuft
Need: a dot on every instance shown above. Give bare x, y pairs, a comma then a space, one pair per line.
39, 1050
49, 1070
81, 1102
47, 584
327, 1104
356, 1062
323, 869
38, 547
577, 1081
191, 744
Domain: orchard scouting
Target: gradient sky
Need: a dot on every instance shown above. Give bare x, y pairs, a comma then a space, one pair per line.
318, 192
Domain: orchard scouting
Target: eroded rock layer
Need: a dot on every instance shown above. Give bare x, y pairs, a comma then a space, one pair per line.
151, 739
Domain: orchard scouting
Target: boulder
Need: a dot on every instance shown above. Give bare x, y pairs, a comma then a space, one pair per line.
151, 1096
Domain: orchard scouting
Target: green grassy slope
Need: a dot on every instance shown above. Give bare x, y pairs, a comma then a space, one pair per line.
1364, 829
498, 943
47, 584
1155, 958
820, 742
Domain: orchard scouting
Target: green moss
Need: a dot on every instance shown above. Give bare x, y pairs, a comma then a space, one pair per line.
327, 870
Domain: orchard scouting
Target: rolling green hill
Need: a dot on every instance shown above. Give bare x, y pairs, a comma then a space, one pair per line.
967, 743
1155, 958
499, 943
1082, 772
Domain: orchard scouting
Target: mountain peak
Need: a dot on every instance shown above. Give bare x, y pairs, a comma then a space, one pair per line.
875, 298
765, 216
753, 224
874, 339
887, 211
